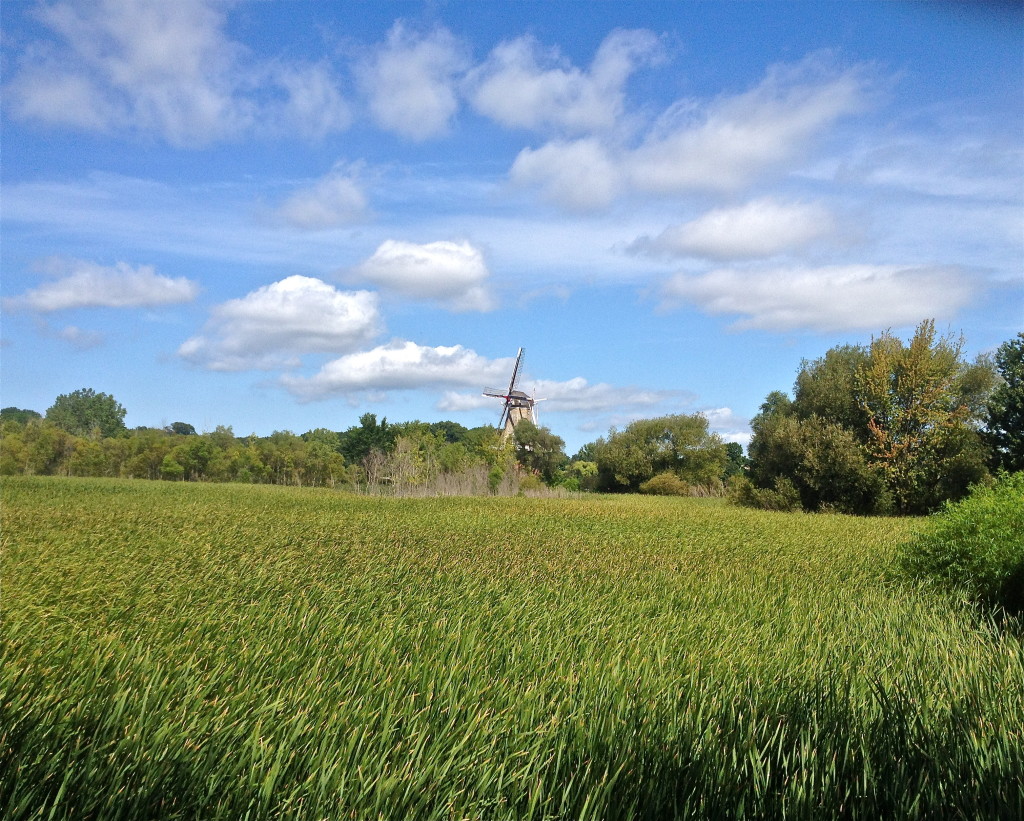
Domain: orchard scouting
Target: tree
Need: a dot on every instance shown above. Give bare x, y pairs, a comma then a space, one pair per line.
538, 449
20, 415
679, 444
918, 418
1004, 423
358, 442
181, 429
890, 426
87, 413
736, 462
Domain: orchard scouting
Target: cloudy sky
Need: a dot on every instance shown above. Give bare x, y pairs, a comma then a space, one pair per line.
282, 215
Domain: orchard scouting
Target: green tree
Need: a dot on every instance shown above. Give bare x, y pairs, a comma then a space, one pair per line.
890, 426
1004, 422
538, 449
828, 388
822, 462
678, 444
87, 413
370, 435
919, 421
181, 429
19, 415
736, 463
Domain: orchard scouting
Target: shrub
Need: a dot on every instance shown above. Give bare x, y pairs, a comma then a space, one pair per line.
975, 546
665, 484
783, 496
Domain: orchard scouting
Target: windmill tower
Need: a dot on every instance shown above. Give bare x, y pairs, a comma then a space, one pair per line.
517, 405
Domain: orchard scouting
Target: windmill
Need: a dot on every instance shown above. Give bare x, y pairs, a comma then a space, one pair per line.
518, 405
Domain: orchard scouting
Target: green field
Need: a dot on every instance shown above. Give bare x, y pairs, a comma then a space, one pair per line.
174, 650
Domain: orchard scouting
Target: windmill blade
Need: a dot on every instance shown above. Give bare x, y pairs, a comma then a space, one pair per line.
515, 372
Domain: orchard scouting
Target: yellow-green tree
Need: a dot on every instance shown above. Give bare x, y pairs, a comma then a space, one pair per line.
920, 424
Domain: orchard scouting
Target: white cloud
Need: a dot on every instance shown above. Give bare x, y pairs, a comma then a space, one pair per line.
455, 402
572, 395
401, 365
579, 395
522, 86
580, 175
85, 284
274, 325
736, 139
833, 298
410, 82
312, 105
453, 273
760, 228
976, 167
336, 199
167, 69
728, 425
79, 338
721, 146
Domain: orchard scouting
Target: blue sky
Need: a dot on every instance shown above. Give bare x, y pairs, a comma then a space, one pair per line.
282, 215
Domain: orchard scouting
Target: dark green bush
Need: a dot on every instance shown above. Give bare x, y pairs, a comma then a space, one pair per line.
975, 546
783, 496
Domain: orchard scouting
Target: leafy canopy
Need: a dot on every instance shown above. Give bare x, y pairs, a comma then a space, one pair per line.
679, 444
87, 413
1005, 408
891, 426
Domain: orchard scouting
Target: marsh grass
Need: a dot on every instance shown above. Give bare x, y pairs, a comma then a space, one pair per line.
201, 651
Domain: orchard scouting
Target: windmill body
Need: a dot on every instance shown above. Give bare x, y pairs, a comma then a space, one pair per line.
517, 404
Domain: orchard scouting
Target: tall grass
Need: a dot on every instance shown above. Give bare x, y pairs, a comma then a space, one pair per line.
184, 651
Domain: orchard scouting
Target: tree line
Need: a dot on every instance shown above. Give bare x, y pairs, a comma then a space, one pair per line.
887, 427
83, 434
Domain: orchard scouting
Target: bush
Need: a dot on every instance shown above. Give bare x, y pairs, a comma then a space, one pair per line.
783, 496
665, 484
975, 546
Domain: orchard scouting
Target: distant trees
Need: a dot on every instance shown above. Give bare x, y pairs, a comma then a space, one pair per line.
87, 413
19, 415
413, 457
888, 427
1004, 411
680, 445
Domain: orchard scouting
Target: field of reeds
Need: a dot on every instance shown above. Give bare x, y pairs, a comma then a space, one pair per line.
175, 650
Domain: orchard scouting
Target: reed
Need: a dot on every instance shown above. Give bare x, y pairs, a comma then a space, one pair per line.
228, 651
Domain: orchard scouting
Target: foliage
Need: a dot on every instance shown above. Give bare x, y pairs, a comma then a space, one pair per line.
358, 442
87, 413
890, 427
678, 444
736, 462
19, 415
180, 651
413, 458
781, 496
820, 465
976, 546
917, 418
1005, 409
665, 484
538, 449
